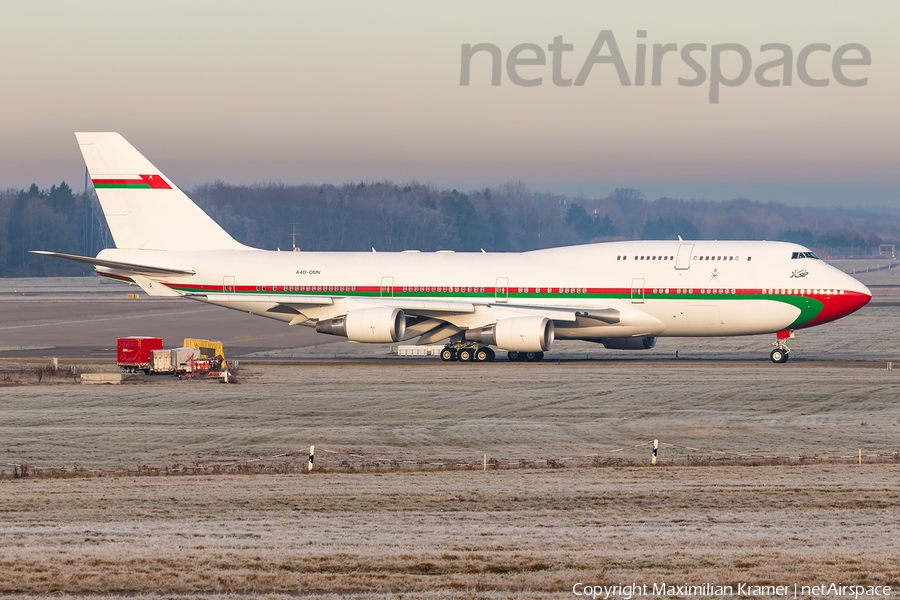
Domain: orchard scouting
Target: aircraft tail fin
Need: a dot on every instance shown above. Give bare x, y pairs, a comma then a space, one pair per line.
143, 208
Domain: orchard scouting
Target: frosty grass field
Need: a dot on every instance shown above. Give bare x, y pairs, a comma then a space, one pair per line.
531, 526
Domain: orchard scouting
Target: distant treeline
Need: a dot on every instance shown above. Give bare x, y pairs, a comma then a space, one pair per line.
392, 217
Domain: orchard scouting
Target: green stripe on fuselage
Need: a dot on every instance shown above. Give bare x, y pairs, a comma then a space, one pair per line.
809, 308
118, 278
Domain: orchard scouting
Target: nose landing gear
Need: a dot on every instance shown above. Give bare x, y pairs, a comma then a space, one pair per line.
781, 352
779, 356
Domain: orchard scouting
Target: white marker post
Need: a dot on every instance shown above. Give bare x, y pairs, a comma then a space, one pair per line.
655, 452
312, 456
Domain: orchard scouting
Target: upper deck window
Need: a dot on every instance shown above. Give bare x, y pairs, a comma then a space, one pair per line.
804, 255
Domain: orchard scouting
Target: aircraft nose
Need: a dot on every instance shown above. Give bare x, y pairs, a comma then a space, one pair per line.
847, 297
858, 300
855, 296
851, 284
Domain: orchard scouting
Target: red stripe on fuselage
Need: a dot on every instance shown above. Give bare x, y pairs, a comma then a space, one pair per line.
834, 306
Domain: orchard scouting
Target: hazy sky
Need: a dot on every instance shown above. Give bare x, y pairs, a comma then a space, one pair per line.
347, 91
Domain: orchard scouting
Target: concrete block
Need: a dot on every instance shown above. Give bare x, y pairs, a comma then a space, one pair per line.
111, 378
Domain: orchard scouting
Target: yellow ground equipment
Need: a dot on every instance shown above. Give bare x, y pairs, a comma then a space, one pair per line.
209, 350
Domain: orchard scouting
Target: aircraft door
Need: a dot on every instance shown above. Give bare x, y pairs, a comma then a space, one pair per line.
637, 291
501, 293
387, 287
228, 283
683, 260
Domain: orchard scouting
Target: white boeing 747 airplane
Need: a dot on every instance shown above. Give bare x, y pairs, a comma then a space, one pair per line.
620, 294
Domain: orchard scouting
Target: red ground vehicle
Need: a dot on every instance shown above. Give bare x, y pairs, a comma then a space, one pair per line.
136, 353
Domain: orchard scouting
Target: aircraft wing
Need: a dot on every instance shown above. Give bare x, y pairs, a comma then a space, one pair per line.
422, 306
439, 309
447, 308
279, 299
432, 321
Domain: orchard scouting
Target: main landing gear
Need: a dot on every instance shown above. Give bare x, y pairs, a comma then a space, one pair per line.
525, 356
475, 353
467, 353
781, 352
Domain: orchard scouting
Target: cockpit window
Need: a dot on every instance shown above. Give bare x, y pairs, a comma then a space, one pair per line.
804, 255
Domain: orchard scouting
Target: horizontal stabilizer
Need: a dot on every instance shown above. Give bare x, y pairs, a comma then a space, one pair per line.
114, 264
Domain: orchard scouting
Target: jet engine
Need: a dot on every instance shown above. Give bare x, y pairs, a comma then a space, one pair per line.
520, 334
376, 325
629, 343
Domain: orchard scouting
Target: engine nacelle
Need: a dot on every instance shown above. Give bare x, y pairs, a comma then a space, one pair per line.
379, 324
629, 343
520, 334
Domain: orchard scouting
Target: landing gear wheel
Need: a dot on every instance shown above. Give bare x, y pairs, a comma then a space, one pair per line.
448, 354
513, 356
534, 356
466, 355
483, 355
779, 356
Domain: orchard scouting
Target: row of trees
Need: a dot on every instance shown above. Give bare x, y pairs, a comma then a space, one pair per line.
55, 219
392, 217
511, 218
